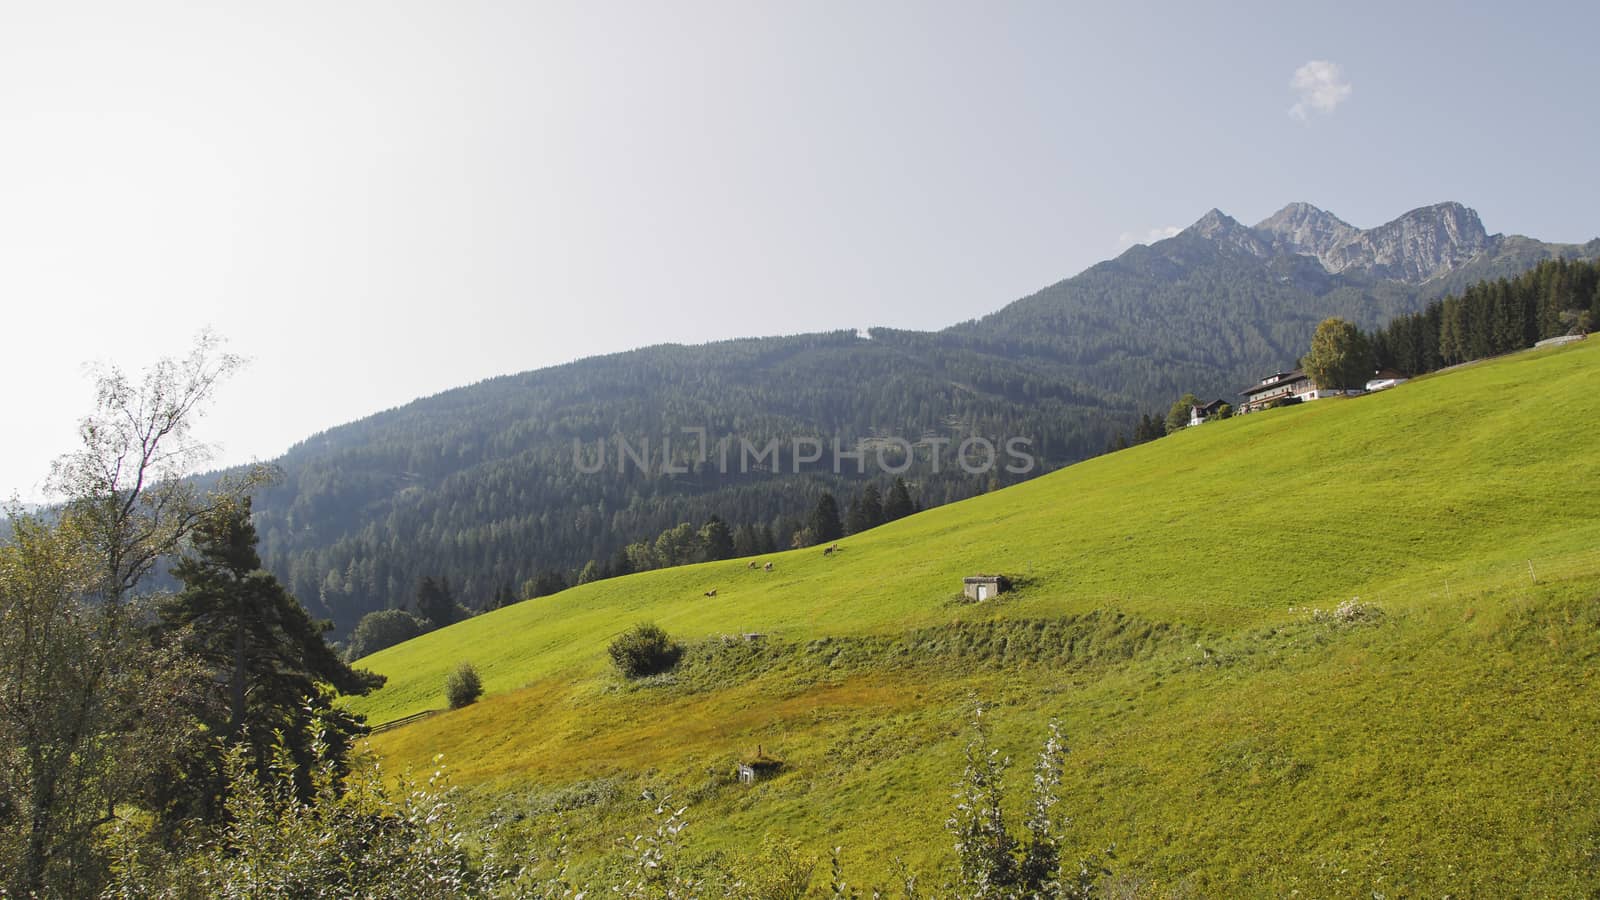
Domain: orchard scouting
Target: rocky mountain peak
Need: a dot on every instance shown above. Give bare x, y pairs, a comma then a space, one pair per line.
1213, 223
1222, 228
1419, 245
1303, 228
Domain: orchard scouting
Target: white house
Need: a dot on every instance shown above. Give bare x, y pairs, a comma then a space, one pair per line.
1200, 412
1296, 386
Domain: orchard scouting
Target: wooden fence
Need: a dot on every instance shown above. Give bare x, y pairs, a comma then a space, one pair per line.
404, 720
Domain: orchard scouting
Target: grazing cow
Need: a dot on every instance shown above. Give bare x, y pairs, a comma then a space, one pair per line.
767, 567
711, 593
752, 564
827, 551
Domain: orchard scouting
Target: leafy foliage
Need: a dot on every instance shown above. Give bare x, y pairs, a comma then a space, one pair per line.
463, 687
644, 650
1178, 416
350, 837
88, 710
1340, 358
383, 629
993, 862
94, 710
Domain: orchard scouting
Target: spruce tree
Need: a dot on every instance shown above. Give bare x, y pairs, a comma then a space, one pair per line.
745, 541
717, 539
434, 603
265, 655
824, 526
898, 505
855, 518
872, 506
547, 582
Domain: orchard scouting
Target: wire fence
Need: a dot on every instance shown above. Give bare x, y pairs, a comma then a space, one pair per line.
1496, 576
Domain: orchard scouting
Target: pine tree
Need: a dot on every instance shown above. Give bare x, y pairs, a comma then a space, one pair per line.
716, 539
872, 506
824, 526
265, 652
898, 505
745, 542
547, 582
434, 603
855, 518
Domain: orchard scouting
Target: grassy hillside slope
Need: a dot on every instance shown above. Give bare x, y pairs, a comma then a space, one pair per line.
1224, 737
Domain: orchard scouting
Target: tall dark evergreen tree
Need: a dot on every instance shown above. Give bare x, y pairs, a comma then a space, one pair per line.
504, 595
825, 526
434, 602
717, 539
1151, 426
1491, 317
872, 505
547, 582
264, 651
745, 541
898, 504
855, 517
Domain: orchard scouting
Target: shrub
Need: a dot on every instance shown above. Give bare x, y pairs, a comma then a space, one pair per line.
383, 629
993, 861
463, 687
644, 650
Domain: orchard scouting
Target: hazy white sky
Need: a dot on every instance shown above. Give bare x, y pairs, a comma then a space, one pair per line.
380, 200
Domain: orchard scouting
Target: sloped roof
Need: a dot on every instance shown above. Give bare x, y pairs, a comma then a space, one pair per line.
1275, 380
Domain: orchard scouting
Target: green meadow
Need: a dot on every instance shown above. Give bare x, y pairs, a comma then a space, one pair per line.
1175, 612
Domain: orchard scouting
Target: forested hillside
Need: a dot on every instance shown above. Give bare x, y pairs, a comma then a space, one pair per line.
479, 486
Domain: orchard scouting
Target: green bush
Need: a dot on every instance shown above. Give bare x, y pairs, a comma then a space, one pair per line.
463, 687
381, 630
644, 650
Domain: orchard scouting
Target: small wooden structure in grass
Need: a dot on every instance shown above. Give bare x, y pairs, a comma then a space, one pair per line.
979, 588
758, 767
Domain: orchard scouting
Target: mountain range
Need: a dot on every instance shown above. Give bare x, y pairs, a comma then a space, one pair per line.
479, 484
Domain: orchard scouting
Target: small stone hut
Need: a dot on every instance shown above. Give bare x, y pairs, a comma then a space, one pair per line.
979, 588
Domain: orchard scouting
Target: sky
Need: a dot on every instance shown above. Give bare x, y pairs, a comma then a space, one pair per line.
375, 201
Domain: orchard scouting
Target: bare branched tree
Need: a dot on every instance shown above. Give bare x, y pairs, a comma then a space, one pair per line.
128, 487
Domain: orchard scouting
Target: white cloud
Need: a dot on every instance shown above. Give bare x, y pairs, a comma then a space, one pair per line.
1150, 237
1320, 86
